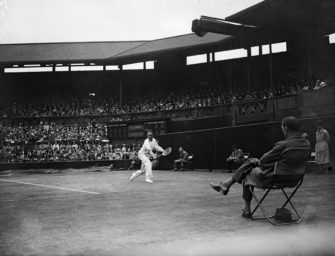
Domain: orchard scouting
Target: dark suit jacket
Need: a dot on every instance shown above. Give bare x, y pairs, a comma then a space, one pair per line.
264, 174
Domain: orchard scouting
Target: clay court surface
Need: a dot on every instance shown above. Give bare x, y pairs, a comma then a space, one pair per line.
90, 212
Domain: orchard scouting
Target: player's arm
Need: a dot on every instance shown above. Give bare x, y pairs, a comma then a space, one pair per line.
148, 149
158, 148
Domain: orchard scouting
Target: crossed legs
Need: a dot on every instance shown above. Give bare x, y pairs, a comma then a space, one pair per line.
238, 176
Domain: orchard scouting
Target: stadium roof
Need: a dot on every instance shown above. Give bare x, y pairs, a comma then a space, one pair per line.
186, 43
99, 51
63, 52
278, 19
298, 15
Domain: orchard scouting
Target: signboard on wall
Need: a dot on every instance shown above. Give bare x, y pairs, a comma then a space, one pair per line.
136, 129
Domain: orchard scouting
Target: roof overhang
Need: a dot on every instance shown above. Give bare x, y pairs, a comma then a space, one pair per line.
215, 25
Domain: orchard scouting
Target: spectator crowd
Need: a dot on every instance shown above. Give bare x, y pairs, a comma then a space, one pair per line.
158, 101
62, 151
57, 141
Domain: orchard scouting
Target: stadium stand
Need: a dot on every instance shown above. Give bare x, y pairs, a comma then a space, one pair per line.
196, 98
59, 141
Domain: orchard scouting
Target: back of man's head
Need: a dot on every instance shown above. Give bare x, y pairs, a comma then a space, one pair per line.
291, 123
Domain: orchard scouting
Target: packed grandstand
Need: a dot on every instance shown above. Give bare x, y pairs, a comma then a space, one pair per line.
56, 140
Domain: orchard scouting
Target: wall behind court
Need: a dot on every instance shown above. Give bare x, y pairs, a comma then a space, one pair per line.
211, 147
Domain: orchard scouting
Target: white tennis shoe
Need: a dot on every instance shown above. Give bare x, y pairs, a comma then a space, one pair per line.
149, 181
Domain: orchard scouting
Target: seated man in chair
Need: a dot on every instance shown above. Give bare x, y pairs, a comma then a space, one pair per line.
236, 159
183, 159
261, 172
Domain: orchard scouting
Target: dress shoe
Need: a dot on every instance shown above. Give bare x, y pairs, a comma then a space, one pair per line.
220, 188
246, 214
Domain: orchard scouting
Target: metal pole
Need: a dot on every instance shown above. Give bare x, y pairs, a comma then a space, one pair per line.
248, 68
271, 82
271, 71
121, 85
309, 55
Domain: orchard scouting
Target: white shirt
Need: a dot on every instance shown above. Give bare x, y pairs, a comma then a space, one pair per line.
148, 146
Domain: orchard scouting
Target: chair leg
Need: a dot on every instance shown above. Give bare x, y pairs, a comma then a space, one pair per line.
259, 205
269, 218
258, 201
288, 200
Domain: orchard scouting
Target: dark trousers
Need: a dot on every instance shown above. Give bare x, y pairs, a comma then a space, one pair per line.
179, 162
234, 164
240, 174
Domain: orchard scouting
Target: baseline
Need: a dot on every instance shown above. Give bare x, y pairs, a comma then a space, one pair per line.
47, 186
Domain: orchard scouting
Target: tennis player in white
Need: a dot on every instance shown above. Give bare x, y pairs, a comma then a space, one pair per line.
144, 155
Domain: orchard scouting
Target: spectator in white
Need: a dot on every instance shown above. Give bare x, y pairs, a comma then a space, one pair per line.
144, 154
55, 147
317, 85
322, 155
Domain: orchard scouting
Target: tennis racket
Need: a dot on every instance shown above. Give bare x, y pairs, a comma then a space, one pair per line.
167, 151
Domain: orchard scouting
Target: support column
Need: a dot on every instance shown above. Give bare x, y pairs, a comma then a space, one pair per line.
212, 65
273, 108
121, 85
309, 56
248, 68
270, 63
208, 57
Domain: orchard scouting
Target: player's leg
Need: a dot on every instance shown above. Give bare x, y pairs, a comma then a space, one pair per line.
145, 168
148, 169
138, 172
142, 157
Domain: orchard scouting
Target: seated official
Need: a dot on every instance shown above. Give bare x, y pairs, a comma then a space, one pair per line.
260, 172
183, 159
236, 159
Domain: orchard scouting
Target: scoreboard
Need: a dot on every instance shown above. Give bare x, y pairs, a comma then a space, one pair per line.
135, 129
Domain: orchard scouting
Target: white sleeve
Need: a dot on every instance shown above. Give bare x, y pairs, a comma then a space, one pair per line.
157, 147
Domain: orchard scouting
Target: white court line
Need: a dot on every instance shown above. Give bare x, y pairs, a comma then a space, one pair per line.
35, 199
47, 186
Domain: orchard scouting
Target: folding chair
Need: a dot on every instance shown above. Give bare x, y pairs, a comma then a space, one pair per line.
189, 162
289, 173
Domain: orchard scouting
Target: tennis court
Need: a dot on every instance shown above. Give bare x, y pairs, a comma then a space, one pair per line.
96, 211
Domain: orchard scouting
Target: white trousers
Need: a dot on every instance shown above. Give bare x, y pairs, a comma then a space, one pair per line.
146, 166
